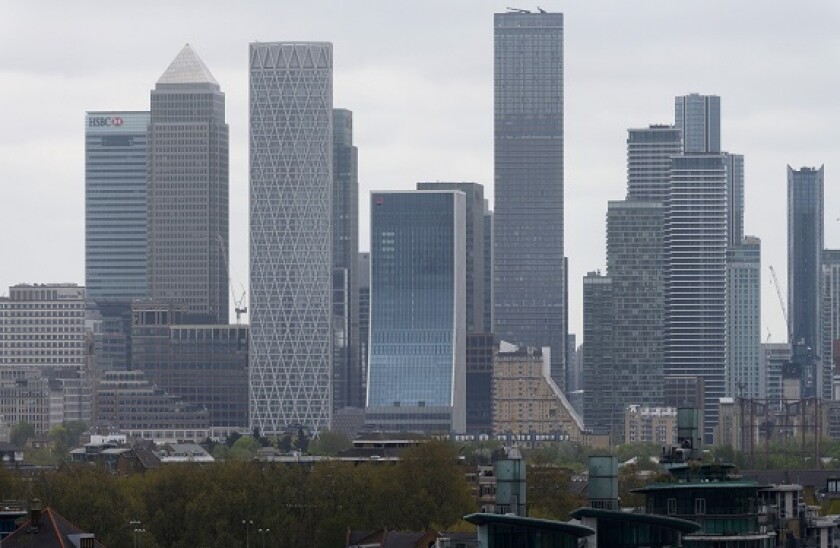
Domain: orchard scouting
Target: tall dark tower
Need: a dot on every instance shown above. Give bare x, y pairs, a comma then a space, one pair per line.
529, 283
187, 193
805, 246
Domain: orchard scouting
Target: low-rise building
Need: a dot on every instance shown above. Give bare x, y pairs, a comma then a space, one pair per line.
650, 425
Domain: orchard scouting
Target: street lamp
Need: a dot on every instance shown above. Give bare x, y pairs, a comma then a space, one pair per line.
263, 533
136, 530
247, 523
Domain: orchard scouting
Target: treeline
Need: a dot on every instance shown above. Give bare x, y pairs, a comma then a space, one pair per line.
189, 505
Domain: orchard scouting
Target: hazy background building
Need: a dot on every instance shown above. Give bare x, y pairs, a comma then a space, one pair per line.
291, 191
602, 411
347, 369
698, 118
529, 277
649, 152
417, 360
187, 191
743, 328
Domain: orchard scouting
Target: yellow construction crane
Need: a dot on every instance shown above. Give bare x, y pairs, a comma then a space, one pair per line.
238, 304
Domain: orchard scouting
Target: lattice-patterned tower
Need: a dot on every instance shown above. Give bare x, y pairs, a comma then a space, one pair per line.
291, 171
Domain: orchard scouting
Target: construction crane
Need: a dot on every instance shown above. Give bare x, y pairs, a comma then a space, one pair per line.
781, 300
238, 304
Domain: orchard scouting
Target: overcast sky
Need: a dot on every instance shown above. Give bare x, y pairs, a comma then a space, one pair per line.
418, 76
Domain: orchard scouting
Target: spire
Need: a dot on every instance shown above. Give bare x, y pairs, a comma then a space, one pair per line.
187, 68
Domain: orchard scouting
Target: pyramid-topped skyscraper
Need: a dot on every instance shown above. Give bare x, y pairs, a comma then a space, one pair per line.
188, 191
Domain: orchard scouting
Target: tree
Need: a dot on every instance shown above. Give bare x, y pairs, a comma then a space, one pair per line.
330, 443
245, 448
21, 433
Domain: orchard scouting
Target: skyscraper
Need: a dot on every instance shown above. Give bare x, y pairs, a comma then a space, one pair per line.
600, 406
115, 205
188, 191
347, 370
474, 193
698, 118
695, 280
291, 190
417, 369
805, 246
636, 266
488, 267
743, 330
529, 273
805, 189
649, 152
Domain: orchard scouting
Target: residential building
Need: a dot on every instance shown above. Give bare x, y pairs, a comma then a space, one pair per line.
529, 272
743, 329
291, 235
488, 267
527, 403
364, 315
774, 356
347, 369
474, 199
417, 369
698, 119
115, 205
650, 425
649, 152
695, 282
636, 268
805, 246
601, 409
830, 315
187, 192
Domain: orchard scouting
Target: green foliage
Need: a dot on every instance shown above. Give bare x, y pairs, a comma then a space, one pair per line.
550, 492
329, 443
21, 433
245, 448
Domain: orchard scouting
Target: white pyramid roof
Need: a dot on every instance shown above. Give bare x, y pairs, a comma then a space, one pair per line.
187, 68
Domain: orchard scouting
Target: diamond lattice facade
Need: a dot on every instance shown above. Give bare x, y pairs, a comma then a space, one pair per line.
291, 153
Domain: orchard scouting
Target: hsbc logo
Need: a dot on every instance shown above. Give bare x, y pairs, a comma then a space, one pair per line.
100, 121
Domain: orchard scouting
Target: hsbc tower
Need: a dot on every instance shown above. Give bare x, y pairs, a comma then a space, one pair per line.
115, 205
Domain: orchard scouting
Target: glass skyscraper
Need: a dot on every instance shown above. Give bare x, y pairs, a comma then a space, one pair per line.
417, 372
649, 152
698, 118
115, 205
743, 338
805, 189
529, 285
188, 191
291, 192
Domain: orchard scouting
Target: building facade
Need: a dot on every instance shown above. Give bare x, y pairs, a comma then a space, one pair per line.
698, 119
479, 379
291, 191
743, 326
187, 193
43, 325
649, 152
650, 425
636, 267
695, 282
203, 365
529, 277
115, 205
474, 195
805, 246
601, 410
417, 369
347, 370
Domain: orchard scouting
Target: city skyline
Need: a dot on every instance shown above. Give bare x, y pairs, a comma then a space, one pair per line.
609, 88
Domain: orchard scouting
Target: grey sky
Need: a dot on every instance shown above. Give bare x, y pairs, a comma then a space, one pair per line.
418, 76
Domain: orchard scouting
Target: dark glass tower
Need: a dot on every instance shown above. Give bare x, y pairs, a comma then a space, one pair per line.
530, 289
805, 246
188, 191
347, 371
